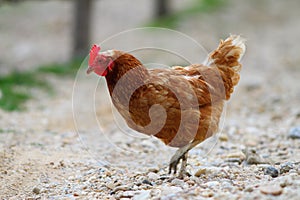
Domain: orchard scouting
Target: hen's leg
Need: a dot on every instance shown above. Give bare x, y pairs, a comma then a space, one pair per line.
181, 154
182, 171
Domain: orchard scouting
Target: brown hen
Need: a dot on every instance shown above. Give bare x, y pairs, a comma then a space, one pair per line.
180, 105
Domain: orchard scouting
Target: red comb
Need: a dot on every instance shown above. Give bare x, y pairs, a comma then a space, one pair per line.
93, 53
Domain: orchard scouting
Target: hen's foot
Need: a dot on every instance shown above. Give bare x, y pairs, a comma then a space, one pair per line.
181, 154
175, 161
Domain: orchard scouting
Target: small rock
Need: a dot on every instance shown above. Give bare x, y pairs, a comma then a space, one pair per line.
223, 137
271, 189
282, 153
121, 188
153, 169
36, 190
272, 171
128, 194
143, 195
200, 172
110, 185
164, 177
212, 184
207, 194
190, 182
286, 167
294, 133
285, 181
226, 185
177, 182
253, 158
153, 176
236, 157
145, 181
170, 190
234, 160
208, 171
30, 198
249, 189
237, 154
107, 173
293, 172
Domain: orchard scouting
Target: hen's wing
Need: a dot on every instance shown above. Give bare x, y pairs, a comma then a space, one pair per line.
171, 102
209, 83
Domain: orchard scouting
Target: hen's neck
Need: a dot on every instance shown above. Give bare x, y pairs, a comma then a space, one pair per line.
127, 73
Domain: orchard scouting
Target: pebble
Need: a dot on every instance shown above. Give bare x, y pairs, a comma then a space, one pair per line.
200, 172
128, 194
223, 138
272, 171
153, 169
285, 181
212, 184
227, 185
238, 157
110, 185
178, 182
208, 171
286, 167
36, 190
121, 188
146, 181
207, 193
75, 194
249, 189
153, 176
237, 154
253, 158
234, 160
142, 195
294, 133
165, 190
271, 189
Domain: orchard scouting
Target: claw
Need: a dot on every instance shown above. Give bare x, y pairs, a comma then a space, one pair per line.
181, 154
173, 166
174, 162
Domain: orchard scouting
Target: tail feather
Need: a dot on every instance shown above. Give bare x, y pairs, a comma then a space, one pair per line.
229, 54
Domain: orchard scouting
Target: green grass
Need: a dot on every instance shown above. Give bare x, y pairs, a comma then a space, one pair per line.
15, 88
200, 6
67, 69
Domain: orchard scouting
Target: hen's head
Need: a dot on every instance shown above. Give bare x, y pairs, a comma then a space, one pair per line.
100, 63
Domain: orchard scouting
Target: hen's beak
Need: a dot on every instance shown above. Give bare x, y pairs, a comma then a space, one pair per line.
90, 69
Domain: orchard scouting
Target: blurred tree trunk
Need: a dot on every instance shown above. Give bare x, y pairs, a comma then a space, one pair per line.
162, 8
81, 31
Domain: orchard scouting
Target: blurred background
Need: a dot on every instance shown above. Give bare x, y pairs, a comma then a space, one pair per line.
44, 42
53, 36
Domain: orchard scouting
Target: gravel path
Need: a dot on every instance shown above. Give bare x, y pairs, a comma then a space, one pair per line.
257, 155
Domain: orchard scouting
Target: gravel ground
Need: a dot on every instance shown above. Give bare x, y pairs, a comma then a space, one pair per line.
49, 153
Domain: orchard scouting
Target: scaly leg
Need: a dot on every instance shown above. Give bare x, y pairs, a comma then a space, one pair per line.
181, 154
182, 171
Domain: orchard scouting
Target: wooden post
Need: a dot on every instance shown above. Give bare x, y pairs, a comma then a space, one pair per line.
161, 8
81, 31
